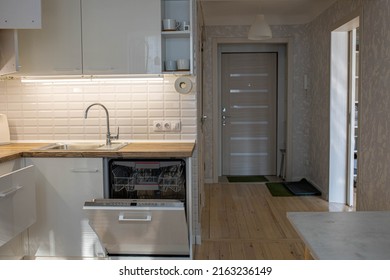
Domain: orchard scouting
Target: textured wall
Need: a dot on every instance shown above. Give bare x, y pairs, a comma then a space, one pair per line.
374, 151
300, 100
373, 192
320, 33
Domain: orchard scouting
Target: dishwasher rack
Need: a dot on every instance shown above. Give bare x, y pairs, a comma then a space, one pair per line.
147, 179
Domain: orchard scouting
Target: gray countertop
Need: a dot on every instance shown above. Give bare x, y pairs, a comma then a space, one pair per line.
344, 235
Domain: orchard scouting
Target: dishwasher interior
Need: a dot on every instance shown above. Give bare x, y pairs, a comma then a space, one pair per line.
146, 179
143, 213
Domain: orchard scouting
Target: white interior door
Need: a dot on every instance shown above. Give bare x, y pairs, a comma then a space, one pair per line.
343, 95
248, 114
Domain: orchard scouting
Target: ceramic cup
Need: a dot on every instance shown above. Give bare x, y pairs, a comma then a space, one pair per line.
185, 25
170, 24
170, 65
183, 64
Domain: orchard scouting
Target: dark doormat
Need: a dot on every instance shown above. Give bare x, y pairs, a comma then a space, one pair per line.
302, 187
278, 189
246, 179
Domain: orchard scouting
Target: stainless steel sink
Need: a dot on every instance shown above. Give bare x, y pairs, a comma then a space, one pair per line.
83, 146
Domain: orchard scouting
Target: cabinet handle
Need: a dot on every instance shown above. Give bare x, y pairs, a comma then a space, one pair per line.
84, 170
10, 191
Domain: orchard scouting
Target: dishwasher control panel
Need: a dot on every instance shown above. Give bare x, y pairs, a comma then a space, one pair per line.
133, 203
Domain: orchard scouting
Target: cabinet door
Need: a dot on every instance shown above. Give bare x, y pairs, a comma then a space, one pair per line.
8, 51
17, 203
56, 48
121, 36
18, 14
63, 185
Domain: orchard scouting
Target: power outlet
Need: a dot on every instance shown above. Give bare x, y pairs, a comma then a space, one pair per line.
166, 126
158, 126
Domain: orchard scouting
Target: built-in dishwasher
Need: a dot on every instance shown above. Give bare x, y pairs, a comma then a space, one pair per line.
143, 213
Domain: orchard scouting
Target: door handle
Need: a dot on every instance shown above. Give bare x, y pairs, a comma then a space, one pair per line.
203, 119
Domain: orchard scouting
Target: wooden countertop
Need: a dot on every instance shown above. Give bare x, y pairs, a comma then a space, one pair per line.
361, 235
131, 150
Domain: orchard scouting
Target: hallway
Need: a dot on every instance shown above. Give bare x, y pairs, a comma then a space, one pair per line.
244, 221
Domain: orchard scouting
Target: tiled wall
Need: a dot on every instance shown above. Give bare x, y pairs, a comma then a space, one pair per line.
56, 112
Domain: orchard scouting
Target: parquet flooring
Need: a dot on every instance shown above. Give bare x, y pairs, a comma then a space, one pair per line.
245, 222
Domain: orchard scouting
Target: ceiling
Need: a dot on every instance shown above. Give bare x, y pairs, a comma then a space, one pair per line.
277, 12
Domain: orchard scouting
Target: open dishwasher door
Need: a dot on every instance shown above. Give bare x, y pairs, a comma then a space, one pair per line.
140, 228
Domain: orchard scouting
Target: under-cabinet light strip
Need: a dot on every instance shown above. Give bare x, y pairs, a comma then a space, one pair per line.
89, 79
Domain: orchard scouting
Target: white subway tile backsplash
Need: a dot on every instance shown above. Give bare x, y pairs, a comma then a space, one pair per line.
48, 112
172, 96
140, 88
154, 96
188, 113
140, 130
188, 105
172, 113
140, 121
30, 122
139, 97
143, 113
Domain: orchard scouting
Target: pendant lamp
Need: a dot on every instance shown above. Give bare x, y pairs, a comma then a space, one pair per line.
259, 29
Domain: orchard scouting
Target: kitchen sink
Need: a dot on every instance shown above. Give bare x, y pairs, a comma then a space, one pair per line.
83, 146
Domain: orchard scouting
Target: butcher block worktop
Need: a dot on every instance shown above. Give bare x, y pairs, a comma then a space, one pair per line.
131, 150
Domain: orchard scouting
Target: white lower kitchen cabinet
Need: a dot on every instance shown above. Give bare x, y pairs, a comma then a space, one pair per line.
17, 208
63, 185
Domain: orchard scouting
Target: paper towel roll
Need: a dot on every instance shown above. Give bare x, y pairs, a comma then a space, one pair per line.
183, 85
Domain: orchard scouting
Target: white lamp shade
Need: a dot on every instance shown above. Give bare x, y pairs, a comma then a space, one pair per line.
259, 30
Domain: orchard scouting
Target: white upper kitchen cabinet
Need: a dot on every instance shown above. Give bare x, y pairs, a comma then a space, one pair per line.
121, 36
56, 48
18, 14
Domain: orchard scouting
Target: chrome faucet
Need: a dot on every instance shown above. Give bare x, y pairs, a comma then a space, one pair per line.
108, 135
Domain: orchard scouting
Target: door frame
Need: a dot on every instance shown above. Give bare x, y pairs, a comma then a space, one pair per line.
340, 185
284, 89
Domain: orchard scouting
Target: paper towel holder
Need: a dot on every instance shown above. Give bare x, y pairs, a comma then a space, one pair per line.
183, 85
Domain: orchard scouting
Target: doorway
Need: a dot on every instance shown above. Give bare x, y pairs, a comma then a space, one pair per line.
343, 113
251, 108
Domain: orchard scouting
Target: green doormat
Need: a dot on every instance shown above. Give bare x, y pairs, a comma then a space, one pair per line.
278, 189
246, 179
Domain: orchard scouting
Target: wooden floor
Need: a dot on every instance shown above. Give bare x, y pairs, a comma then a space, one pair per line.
245, 222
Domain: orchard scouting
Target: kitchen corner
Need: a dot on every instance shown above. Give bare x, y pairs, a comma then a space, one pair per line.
61, 181
41, 115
